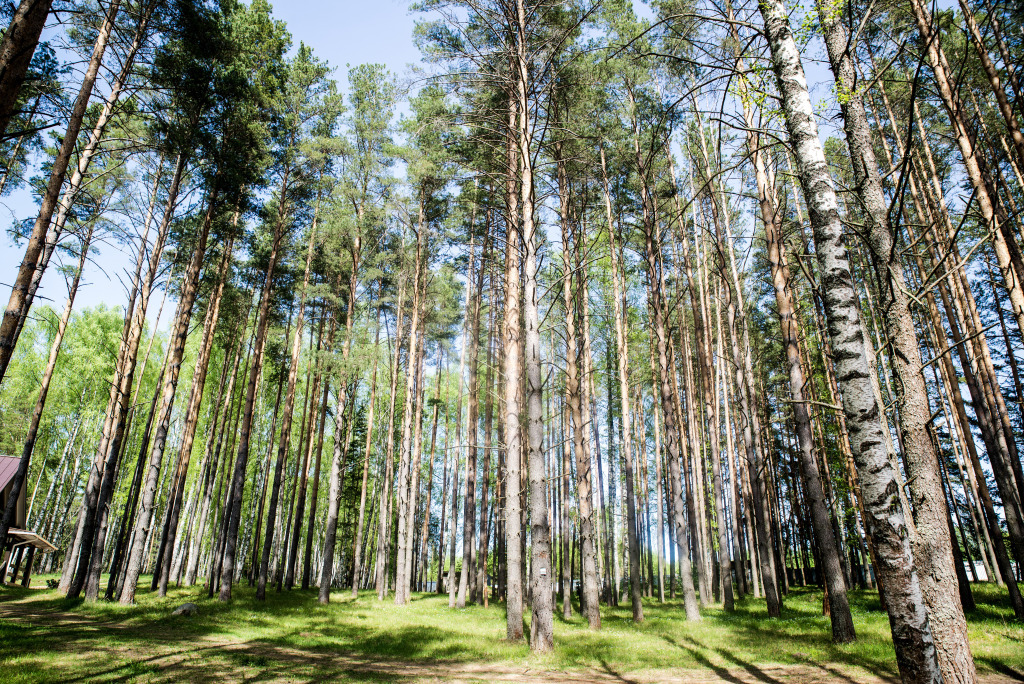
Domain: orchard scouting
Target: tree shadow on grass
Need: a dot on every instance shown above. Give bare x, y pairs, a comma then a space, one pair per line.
413, 642
703, 660
836, 674
1002, 668
615, 673
45, 637
172, 649
817, 637
583, 650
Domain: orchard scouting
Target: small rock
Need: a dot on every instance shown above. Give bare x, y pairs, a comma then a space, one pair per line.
186, 609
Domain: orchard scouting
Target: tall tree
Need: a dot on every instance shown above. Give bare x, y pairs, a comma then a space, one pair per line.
16, 307
912, 635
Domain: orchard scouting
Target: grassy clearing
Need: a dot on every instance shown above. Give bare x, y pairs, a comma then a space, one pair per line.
45, 637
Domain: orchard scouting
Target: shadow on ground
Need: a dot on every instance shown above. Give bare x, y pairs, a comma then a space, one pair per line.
290, 637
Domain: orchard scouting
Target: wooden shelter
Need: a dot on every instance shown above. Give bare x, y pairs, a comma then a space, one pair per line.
18, 538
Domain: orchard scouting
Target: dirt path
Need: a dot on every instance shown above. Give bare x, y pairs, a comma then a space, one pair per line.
71, 647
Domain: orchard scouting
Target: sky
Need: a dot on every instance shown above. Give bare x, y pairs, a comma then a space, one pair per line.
344, 33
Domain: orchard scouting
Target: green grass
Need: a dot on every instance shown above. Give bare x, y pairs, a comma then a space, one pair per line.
45, 637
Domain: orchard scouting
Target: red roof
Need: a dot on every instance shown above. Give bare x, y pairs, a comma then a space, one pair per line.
8, 467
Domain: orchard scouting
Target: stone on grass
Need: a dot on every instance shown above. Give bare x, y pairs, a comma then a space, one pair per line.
186, 609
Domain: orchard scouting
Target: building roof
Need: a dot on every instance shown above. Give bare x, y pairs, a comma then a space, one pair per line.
31, 539
8, 467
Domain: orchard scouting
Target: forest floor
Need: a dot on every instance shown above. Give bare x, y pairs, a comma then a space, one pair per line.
45, 637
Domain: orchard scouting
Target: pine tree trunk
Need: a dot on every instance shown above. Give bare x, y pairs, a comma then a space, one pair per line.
721, 520
574, 288
21, 474
16, 50
307, 562
191, 421
668, 401
452, 588
443, 519
983, 395
486, 511
563, 522
50, 501
16, 307
213, 451
1004, 242
233, 512
407, 478
286, 416
541, 566
85, 157
120, 389
313, 380
307, 558
622, 348
511, 336
932, 545
658, 484
694, 467
423, 561
334, 484
839, 610
1009, 116
405, 558
226, 480
469, 536
384, 508
357, 544
179, 335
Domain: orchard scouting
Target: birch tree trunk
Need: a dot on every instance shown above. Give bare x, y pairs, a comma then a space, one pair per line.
915, 649
933, 552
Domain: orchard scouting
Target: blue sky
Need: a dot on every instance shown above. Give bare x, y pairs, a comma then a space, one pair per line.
352, 32
342, 33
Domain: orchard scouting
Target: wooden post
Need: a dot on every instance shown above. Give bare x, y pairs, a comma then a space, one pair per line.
28, 567
17, 564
